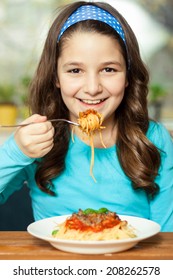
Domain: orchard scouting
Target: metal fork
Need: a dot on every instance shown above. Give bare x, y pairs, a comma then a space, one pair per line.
53, 120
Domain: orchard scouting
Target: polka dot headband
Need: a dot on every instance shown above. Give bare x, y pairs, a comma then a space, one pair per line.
95, 13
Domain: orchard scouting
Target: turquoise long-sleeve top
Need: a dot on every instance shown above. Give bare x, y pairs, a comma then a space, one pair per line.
75, 188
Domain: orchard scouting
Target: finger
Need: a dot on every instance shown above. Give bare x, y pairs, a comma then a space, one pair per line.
35, 118
41, 149
46, 150
37, 128
27, 138
41, 138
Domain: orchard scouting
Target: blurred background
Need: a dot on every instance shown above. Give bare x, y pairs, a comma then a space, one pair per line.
24, 25
23, 28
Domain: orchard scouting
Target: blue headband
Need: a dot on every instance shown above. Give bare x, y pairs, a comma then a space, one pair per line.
95, 13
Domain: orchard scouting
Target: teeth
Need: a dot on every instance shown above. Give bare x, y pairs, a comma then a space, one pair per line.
92, 101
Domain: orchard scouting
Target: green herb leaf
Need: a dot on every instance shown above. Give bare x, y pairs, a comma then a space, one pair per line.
91, 211
54, 232
102, 210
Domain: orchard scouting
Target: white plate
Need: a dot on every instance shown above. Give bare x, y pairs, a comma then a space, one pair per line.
43, 228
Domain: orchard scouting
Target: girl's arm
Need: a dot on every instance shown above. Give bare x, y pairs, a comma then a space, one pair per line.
161, 209
12, 164
21, 150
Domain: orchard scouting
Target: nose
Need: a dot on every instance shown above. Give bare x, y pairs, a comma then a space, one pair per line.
93, 84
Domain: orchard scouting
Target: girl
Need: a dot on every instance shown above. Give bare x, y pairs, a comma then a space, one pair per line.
91, 60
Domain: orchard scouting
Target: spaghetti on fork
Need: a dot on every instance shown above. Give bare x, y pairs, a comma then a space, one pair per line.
90, 121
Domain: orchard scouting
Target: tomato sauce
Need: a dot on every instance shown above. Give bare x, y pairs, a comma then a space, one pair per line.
75, 223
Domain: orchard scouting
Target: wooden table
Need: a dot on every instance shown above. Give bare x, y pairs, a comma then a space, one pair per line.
20, 245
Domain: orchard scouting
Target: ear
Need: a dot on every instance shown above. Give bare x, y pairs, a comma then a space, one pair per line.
57, 83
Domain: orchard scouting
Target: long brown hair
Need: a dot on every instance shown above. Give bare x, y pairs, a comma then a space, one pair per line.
138, 157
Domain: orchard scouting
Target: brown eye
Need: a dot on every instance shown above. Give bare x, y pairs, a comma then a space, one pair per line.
75, 71
109, 69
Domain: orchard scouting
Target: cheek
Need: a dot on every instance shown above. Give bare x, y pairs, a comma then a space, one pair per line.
68, 87
63, 86
67, 91
117, 87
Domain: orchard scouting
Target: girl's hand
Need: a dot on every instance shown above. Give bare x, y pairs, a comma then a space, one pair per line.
35, 140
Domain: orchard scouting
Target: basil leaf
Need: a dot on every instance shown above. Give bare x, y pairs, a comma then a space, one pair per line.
89, 211
102, 210
54, 232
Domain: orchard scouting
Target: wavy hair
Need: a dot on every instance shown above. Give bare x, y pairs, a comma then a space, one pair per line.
138, 157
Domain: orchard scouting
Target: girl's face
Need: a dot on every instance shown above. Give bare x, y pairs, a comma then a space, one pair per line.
91, 74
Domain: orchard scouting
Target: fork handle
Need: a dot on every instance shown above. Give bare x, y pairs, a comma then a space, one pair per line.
25, 124
15, 125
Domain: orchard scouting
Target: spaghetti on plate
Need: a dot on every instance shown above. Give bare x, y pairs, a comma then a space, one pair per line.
95, 225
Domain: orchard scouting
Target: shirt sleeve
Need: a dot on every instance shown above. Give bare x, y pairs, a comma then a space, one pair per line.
12, 168
161, 207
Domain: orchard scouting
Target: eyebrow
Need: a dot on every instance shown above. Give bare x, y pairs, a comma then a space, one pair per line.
111, 62
74, 63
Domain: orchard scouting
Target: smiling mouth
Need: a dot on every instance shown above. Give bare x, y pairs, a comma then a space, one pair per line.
92, 102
